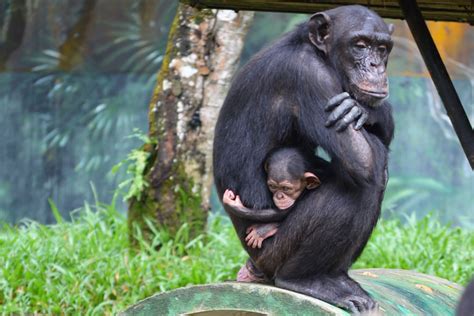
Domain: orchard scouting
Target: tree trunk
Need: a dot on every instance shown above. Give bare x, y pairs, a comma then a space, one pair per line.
201, 57
12, 28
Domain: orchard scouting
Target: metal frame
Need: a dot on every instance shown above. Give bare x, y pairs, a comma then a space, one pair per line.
438, 10
440, 77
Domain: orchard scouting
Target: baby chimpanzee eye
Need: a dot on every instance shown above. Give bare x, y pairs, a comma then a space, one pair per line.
272, 187
286, 189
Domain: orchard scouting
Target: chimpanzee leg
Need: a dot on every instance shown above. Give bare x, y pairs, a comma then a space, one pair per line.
338, 289
250, 273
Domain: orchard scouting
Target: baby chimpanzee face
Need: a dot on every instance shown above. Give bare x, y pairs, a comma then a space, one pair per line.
286, 191
287, 177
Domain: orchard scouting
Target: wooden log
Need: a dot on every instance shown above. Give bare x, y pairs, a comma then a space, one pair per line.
398, 292
438, 10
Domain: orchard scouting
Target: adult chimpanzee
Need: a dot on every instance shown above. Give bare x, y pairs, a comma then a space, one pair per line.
466, 304
323, 84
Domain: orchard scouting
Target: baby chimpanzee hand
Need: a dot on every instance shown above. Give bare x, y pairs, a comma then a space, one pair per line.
231, 199
257, 233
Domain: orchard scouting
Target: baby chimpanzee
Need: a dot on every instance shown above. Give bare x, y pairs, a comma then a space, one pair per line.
288, 176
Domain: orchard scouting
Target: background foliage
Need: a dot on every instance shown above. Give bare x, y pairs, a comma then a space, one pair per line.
81, 81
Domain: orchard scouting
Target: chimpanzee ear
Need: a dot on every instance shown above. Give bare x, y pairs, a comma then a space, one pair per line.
391, 28
319, 28
312, 182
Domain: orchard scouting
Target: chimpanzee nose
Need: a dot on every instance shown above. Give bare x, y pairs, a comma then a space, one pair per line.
280, 195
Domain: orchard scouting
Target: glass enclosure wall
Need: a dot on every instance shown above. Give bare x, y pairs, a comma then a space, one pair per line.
77, 76
76, 80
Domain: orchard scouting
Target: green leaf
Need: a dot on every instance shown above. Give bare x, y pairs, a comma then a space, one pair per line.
54, 209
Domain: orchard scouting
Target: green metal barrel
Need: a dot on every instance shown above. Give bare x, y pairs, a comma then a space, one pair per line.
398, 292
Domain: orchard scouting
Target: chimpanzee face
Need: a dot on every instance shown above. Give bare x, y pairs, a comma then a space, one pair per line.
285, 192
286, 189
357, 48
287, 177
363, 61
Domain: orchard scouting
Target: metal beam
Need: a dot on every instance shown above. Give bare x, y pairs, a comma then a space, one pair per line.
438, 10
440, 77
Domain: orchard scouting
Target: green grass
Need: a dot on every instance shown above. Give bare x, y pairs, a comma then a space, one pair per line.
423, 245
85, 266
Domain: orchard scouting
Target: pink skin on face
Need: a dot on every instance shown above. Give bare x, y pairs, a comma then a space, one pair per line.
282, 201
286, 192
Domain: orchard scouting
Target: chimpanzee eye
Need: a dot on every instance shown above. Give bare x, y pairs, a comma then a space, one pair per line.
286, 189
361, 44
272, 187
383, 49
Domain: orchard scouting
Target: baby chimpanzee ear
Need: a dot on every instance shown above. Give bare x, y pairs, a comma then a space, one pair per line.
312, 182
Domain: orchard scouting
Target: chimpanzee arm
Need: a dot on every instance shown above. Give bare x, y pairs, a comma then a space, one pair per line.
377, 120
380, 122
236, 208
265, 215
348, 148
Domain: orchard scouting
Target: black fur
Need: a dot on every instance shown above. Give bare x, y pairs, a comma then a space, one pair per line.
287, 164
277, 100
466, 304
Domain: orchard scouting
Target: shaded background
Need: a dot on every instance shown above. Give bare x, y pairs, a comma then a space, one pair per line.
77, 76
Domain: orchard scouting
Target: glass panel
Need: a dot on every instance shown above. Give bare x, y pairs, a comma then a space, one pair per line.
77, 77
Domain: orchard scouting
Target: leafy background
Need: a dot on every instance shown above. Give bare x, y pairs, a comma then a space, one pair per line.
65, 115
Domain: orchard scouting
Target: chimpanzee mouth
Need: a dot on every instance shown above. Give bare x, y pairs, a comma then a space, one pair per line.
377, 94
283, 205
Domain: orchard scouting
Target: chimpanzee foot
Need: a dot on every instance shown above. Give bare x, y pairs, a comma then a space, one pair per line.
359, 305
249, 273
339, 290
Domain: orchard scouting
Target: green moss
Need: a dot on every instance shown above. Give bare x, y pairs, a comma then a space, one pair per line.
162, 74
189, 202
185, 204
169, 206
202, 15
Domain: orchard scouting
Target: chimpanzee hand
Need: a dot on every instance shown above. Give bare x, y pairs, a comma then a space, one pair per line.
257, 233
231, 199
345, 110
